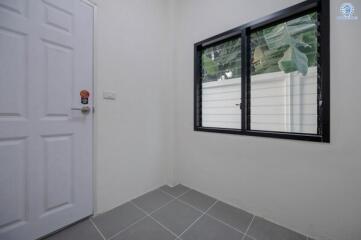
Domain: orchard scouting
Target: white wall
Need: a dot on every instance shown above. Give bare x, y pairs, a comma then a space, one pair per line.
134, 132
310, 187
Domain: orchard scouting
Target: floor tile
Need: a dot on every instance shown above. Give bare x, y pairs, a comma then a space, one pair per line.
262, 229
175, 191
209, 229
177, 216
173, 217
147, 229
198, 200
152, 200
82, 230
116, 220
233, 216
247, 238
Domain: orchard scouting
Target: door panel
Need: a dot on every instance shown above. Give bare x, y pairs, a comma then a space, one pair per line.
58, 81
14, 6
58, 172
63, 5
13, 171
58, 19
45, 147
12, 68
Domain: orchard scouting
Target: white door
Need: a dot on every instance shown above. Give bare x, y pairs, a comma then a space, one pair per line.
45, 146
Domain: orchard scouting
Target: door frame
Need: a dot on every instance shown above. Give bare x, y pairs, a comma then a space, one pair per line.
94, 5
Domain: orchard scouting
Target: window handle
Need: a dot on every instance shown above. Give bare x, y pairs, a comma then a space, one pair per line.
239, 105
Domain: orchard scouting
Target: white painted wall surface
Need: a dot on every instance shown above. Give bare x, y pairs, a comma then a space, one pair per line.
132, 132
310, 187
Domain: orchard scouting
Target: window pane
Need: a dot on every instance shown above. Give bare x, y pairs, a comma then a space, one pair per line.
284, 76
221, 85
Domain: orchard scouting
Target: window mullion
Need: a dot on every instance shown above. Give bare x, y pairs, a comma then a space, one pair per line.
245, 79
197, 87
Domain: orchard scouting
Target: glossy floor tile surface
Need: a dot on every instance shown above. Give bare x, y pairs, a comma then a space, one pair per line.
176, 213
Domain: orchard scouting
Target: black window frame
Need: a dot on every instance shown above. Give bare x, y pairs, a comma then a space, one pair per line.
322, 7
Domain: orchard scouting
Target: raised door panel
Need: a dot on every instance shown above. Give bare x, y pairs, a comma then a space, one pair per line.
13, 194
13, 77
18, 7
63, 5
58, 19
58, 173
58, 79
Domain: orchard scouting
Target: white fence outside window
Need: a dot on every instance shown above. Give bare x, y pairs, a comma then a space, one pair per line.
279, 102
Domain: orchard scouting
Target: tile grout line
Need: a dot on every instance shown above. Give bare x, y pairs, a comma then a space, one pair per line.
169, 193
155, 210
195, 208
146, 214
151, 217
245, 234
139, 220
228, 225
127, 227
190, 205
197, 219
180, 200
249, 226
219, 220
173, 195
97, 229
206, 213
170, 231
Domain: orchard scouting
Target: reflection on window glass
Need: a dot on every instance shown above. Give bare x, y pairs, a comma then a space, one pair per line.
284, 76
221, 85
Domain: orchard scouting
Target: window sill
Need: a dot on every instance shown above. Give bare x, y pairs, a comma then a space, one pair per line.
281, 135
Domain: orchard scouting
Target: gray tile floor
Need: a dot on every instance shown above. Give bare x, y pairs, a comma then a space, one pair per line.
177, 213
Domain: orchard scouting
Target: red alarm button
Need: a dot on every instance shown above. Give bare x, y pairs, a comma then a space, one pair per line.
84, 94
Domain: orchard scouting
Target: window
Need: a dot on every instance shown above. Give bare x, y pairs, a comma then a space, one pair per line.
284, 76
221, 81
267, 78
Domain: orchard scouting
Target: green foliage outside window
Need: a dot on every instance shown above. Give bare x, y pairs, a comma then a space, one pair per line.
290, 46
222, 61
287, 47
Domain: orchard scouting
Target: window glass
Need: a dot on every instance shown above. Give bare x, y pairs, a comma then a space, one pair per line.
283, 95
221, 85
